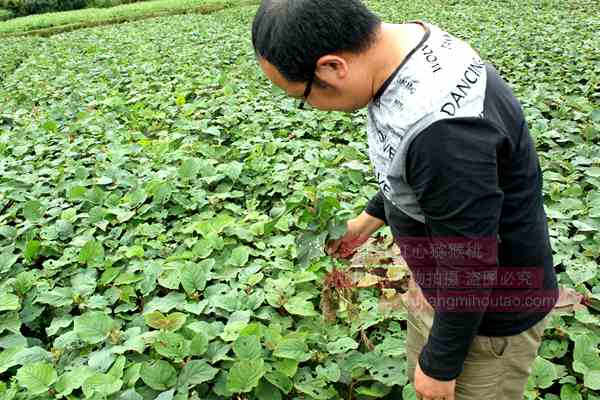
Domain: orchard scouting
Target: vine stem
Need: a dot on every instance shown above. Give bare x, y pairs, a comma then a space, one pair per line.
350, 390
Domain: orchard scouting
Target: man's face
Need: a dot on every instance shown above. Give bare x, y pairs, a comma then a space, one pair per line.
341, 92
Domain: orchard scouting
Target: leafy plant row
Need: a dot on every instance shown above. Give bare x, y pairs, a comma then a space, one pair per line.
29, 7
59, 22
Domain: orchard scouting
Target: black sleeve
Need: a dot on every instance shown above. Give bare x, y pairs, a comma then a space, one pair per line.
452, 168
375, 207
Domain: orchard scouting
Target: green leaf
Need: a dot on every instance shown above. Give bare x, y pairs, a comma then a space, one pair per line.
392, 346
203, 248
93, 326
37, 377
171, 322
298, 305
57, 297
7, 261
586, 360
294, 349
553, 348
331, 372
233, 170
199, 344
586, 317
389, 371
196, 372
132, 374
32, 250
310, 247
180, 100
8, 358
316, 389
342, 345
9, 302
101, 360
336, 229
50, 125
280, 380
228, 90
278, 290
239, 256
159, 375
10, 321
580, 271
92, 253
73, 379
408, 392
104, 180
247, 347
135, 251
570, 392
237, 321
101, 384
166, 303
544, 373
594, 172
220, 387
189, 168
378, 390
117, 368
171, 345
266, 391
33, 210
170, 278
245, 375
130, 394
76, 193
167, 395
31, 355
24, 281
195, 276
162, 193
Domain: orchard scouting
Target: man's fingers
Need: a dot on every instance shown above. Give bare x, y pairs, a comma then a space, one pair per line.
420, 396
332, 247
344, 247
424, 397
346, 251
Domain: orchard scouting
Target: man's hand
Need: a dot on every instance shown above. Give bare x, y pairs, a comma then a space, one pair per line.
359, 230
428, 388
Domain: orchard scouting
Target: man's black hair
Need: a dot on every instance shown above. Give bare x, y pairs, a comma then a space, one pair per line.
293, 34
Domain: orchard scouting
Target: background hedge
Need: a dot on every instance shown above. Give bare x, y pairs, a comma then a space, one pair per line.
18, 8
6, 14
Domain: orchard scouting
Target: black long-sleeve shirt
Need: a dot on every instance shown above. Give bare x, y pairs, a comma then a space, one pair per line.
461, 166
473, 180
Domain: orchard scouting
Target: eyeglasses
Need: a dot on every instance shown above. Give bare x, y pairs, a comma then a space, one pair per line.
307, 90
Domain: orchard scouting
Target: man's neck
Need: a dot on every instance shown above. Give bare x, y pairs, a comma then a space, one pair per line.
392, 46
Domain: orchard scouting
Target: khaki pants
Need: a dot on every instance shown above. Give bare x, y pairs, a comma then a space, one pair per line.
496, 368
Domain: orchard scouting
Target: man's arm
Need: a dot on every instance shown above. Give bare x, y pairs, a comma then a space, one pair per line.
375, 207
452, 168
358, 231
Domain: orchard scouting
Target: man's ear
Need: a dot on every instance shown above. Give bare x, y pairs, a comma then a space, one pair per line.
331, 69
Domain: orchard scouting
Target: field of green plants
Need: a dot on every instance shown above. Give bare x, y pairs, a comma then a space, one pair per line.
163, 211
17, 8
51, 23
